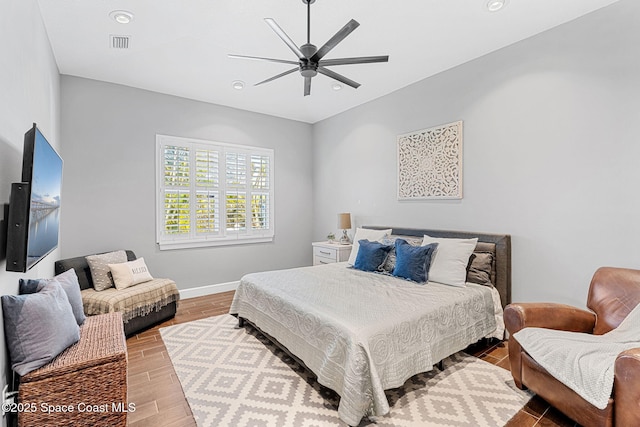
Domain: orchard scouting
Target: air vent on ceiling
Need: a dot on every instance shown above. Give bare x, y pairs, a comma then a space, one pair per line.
120, 42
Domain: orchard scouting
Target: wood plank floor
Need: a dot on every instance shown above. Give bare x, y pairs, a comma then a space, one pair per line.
160, 401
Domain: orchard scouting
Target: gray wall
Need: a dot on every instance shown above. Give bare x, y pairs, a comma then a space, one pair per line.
29, 88
551, 153
109, 151
550, 156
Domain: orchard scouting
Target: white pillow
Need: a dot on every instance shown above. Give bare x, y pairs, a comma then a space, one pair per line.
450, 260
368, 234
130, 273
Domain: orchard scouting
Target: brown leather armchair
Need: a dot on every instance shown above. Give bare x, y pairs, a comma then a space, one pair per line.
613, 293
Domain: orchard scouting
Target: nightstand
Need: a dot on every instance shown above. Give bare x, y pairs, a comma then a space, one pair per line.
326, 253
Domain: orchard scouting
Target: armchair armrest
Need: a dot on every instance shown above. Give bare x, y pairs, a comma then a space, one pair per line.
626, 392
548, 315
541, 315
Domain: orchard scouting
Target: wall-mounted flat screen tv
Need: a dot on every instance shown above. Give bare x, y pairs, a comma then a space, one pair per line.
34, 207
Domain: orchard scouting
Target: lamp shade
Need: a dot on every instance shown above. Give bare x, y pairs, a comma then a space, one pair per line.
344, 221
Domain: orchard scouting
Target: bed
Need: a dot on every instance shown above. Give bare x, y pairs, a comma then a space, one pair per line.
362, 333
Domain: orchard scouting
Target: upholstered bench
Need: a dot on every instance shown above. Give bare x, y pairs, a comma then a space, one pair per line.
85, 385
141, 305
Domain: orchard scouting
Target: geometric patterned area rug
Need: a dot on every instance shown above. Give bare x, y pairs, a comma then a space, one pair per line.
236, 377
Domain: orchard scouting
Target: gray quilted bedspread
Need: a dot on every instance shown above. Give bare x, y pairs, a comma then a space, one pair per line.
362, 333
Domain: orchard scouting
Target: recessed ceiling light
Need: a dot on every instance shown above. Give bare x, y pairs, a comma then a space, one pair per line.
336, 86
121, 16
496, 5
237, 84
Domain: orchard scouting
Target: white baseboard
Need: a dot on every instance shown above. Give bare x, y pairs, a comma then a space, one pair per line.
208, 289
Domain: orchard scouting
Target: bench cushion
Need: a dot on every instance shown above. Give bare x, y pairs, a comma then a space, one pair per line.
138, 300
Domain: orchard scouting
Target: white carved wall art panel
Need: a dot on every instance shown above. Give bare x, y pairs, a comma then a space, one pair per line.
430, 163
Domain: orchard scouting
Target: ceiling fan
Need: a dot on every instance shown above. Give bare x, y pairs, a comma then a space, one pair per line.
310, 58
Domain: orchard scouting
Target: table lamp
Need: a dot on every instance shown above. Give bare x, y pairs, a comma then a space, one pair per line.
344, 223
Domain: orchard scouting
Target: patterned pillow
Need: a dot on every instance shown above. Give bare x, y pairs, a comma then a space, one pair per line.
390, 262
99, 266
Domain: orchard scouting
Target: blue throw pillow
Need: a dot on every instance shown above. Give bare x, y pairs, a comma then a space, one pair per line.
412, 262
371, 255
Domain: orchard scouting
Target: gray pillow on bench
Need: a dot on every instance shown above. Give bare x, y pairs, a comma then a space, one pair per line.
38, 327
69, 282
99, 265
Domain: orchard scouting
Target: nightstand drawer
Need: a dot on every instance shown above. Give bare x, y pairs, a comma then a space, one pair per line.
323, 252
327, 253
319, 260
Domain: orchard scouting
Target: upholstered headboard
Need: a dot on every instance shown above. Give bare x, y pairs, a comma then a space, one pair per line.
498, 244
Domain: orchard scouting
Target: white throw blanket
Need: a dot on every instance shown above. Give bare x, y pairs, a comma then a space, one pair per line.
583, 362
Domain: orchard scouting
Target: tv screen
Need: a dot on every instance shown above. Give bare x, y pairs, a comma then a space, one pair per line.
34, 209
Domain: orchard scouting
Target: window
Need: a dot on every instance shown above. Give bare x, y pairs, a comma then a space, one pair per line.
212, 193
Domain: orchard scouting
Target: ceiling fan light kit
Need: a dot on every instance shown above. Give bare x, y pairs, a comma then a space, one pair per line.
310, 60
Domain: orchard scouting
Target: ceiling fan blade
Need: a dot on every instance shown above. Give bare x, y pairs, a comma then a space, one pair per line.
258, 58
307, 86
285, 38
339, 77
278, 76
358, 60
337, 38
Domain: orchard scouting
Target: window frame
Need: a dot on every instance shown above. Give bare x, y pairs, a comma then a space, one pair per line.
222, 236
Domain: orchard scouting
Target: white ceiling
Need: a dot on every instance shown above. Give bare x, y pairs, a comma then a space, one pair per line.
181, 47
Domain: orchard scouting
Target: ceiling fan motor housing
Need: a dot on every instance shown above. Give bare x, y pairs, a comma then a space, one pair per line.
308, 68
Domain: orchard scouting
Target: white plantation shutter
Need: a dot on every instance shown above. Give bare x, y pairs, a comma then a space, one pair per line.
207, 212
177, 211
260, 172
259, 211
236, 210
176, 165
176, 206
212, 193
207, 197
236, 201
236, 170
260, 184
207, 168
